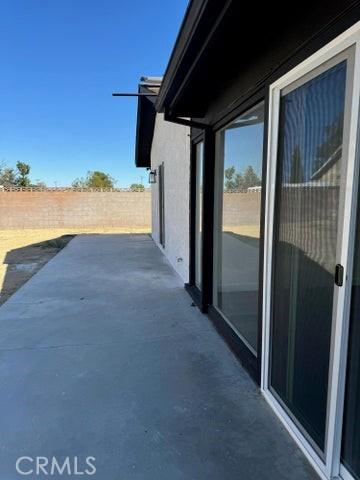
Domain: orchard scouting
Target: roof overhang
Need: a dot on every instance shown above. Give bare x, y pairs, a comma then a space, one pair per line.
192, 38
146, 115
223, 40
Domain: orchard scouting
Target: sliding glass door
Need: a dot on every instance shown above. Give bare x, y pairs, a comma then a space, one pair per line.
311, 321
239, 153
311, 345
351, 427
306, 233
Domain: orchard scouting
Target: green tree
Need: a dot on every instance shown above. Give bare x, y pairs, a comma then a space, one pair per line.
137, 187
230, 183
23, 174
241, 181
297, 171
79, 183
7, 176
94, 179
250, 178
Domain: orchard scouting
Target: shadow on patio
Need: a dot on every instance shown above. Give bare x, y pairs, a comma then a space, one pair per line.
20, 264
102, 355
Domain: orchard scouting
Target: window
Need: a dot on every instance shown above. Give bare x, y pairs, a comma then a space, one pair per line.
239, 154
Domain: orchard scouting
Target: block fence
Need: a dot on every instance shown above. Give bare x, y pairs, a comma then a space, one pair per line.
61, 208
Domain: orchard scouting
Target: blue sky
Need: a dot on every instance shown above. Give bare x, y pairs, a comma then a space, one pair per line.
60, 62
244, 147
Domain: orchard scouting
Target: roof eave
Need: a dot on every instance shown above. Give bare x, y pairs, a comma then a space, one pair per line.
145, 124
191, 19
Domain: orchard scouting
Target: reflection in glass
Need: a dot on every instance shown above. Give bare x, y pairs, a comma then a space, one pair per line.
198, 212
306, 225
237, 227
351, 429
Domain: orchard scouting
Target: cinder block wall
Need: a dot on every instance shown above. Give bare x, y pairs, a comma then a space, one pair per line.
59, 209
241, 208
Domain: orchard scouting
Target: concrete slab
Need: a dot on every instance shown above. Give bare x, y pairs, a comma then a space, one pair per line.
102, 355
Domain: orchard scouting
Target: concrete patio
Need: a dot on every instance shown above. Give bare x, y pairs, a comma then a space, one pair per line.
102, 354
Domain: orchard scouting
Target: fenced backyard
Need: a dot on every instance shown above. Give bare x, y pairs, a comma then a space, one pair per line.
35, 224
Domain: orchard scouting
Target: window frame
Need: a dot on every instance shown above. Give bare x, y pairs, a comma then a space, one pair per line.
191, 287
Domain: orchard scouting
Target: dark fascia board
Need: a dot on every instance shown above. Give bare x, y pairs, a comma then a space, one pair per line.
209, 25
214, 45
189, 28
145, 123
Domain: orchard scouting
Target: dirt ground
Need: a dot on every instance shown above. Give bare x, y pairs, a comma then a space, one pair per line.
24, 252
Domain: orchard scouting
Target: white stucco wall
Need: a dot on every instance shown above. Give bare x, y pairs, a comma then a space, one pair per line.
171, 146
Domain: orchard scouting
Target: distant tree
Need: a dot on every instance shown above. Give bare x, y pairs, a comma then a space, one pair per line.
95, 179
137, 187
297, 171
79, 182
7, 176
23, 174
334, 134
241, 181
250, 178
230, 183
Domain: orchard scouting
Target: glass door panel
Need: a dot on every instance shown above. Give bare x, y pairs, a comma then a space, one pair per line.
239, 149
307, 212
351, 426
199, 162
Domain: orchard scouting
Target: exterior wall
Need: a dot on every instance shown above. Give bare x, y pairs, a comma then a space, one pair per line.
171, 145
57, 209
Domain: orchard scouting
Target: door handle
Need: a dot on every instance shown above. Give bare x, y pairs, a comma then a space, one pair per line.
339, 275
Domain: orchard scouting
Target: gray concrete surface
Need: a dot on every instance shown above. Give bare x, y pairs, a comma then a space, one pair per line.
102, 354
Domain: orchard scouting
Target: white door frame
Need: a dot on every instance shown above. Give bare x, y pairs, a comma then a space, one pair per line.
329, 466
